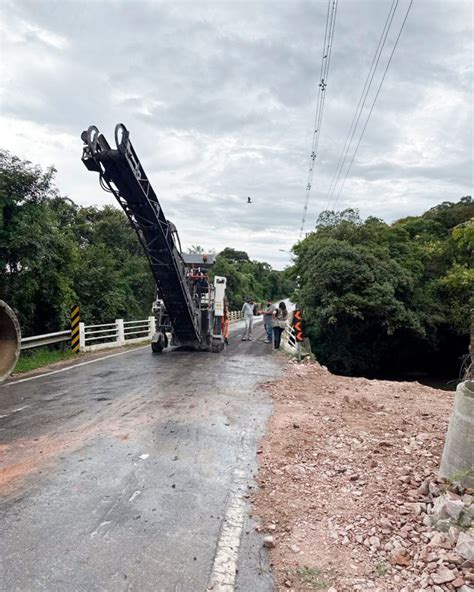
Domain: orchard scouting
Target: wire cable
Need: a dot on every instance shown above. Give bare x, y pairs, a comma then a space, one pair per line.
373, 103
362, 100
323, 78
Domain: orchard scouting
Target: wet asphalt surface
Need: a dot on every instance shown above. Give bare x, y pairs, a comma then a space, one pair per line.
115, 476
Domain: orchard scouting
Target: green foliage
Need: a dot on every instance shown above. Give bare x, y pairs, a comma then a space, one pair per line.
196, 250
246, 278
312, 577
54, 254
378, 296
37, 358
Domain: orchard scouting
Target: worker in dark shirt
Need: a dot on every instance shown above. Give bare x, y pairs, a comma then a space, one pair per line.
267, 320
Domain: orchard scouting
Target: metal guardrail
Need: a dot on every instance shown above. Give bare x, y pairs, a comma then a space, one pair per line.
47, 339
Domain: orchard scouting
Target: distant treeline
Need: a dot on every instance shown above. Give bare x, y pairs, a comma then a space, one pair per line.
54, 253
383, 298
250, 279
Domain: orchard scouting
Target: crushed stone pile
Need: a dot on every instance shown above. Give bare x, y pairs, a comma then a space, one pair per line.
349, 498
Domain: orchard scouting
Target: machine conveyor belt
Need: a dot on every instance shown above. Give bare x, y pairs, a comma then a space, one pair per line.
125, 177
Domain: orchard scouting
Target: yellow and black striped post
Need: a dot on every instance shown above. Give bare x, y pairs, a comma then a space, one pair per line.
75, 318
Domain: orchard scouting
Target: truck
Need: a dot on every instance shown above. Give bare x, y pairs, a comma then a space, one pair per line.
189, 305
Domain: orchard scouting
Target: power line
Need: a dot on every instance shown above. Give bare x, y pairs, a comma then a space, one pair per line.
323, 78
373, 103
362, 100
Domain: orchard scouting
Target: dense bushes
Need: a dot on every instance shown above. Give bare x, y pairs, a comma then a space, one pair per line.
382, 298
54, 253
246, 278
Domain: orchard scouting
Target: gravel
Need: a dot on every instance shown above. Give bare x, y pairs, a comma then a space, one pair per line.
355, 490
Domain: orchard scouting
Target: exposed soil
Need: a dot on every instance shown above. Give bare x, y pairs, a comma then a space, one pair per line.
347, 483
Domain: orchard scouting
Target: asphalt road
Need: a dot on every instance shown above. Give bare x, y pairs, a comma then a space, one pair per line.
129, 474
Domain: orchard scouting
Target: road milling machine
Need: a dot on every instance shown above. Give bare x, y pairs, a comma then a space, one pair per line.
189, 306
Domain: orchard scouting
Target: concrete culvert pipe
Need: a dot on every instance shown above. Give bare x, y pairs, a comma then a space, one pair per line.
457, 462
10, 340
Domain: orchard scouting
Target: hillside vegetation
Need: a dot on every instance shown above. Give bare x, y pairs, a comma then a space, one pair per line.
388, 297
54, 253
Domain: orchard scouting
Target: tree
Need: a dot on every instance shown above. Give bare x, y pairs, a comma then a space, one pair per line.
330, 218
380, 297
246, 278
54, 254
37, 252
196, 249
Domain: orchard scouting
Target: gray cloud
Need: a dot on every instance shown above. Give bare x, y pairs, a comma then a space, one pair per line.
220, 96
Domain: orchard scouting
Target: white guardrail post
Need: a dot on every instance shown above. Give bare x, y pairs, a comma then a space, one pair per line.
120, 332
82, 337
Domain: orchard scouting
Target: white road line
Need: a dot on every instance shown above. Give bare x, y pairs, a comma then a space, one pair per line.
134, 495
224, 568
73, 367
15, 411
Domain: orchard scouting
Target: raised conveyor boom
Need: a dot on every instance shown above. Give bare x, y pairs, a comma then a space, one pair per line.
122, 173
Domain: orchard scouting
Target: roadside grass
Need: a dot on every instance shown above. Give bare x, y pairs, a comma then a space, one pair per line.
311, 576
38, 357
381, 568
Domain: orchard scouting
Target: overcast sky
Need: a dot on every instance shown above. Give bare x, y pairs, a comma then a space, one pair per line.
219, 98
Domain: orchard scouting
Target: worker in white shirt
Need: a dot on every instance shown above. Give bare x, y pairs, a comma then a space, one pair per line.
247, 311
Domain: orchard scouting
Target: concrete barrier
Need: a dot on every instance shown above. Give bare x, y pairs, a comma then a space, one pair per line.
10, 340
457, 462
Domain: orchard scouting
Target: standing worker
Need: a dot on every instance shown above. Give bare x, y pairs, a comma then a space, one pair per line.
268, 320
280, 319
225, 322
247, 311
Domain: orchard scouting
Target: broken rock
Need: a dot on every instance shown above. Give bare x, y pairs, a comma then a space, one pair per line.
440, 540
398, 557
269, 542
444, 507
465, 546
295, 548
443, 575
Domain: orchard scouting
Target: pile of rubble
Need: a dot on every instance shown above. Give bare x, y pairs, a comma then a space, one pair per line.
435, 551
349, 498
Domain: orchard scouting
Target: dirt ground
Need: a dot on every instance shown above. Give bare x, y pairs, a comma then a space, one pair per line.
347, 483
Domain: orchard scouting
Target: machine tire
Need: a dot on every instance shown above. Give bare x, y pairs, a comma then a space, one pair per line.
157, 347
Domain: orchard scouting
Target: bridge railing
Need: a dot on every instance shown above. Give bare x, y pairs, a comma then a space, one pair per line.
116, 334
288, 340
95, 337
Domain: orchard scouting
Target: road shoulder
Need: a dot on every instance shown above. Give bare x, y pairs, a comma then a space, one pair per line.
347, 485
